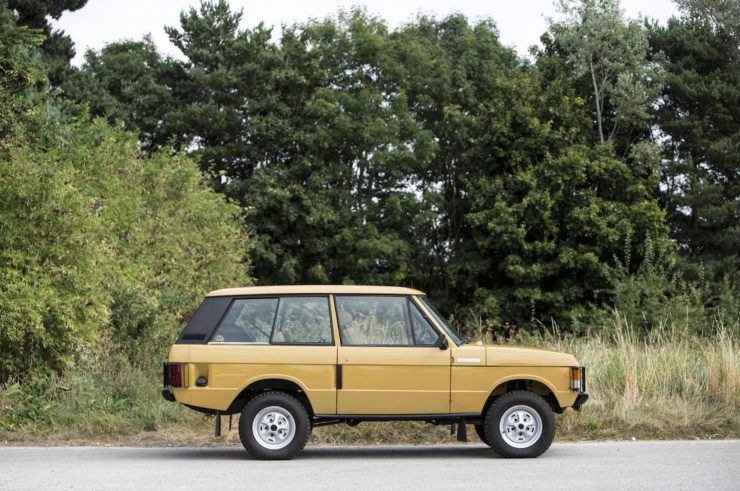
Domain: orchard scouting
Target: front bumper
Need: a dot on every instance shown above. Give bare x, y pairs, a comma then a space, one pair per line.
580, 401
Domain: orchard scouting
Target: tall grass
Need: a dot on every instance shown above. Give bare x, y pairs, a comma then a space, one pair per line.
668, 383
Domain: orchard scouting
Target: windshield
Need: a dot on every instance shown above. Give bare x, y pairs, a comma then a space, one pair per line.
456, 336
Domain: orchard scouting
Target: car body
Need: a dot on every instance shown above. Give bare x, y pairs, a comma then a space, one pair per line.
288, 358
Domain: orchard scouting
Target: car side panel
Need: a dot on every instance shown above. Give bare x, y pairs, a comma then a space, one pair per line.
231, 368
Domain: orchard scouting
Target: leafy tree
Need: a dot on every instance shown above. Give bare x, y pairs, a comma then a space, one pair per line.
125, 83
453, 75
308, 136
168, 238
20, 69
700, 116
429, 155
724, 14
58, 48
223, 90
611, 52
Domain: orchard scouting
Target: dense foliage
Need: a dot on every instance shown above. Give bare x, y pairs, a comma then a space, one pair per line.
57, 48
101, 247
431, 155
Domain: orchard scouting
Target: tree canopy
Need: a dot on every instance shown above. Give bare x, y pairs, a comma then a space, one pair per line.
429, 155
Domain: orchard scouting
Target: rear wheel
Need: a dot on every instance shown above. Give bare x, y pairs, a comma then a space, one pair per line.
519, 424
274, 426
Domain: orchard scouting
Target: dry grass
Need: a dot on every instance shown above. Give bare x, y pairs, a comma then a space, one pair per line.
666, 385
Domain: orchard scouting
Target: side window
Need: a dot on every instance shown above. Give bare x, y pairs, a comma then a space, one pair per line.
370, 320
249, 320
303, 320
424, 333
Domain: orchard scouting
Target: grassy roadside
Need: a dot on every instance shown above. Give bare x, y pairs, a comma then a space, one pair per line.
667, 385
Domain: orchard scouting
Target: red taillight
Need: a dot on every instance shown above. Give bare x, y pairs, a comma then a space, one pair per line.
175, 375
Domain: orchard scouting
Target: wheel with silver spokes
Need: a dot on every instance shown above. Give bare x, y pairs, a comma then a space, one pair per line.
519, 424
274, 425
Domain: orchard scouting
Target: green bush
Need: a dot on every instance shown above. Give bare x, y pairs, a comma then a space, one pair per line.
103, 249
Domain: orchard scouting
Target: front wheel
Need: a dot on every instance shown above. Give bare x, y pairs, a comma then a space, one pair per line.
274, 426
519, 424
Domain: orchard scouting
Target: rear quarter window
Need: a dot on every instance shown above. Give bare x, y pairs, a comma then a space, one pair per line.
248, 320
303, 320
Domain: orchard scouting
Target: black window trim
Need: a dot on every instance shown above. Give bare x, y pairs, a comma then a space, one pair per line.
274, 320
407, 313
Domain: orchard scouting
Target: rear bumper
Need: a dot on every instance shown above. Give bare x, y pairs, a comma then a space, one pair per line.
167, 394
580, 401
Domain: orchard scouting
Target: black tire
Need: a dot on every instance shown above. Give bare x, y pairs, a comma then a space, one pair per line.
534, 411
481, 432
287, 412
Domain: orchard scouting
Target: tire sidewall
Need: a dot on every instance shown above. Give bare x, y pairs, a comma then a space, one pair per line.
499, 408
290, 404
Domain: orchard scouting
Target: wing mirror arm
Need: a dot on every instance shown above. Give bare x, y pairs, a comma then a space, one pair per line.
443, 344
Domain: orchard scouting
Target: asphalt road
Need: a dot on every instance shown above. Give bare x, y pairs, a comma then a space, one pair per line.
613, 465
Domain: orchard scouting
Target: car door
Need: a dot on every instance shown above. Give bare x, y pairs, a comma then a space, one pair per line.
389, 359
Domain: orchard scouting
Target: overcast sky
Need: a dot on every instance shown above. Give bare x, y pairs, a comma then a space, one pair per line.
520, 22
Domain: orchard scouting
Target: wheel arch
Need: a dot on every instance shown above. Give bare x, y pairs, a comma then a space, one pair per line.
531, 383
281, 383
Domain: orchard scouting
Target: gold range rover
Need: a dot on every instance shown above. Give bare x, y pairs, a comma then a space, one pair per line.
290, 358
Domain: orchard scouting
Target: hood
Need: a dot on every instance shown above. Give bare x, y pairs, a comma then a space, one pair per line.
513, 356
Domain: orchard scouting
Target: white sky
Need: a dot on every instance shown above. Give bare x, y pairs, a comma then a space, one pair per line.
520, 22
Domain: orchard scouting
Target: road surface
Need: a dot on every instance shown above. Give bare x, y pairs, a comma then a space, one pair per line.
706, 465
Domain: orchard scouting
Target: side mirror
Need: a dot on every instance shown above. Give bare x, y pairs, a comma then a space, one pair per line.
442, 343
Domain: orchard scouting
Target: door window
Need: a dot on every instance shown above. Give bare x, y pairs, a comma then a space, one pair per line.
382, 321
303, 320
366, 320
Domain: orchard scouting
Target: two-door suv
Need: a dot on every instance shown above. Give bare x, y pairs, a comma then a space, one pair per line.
289, 358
